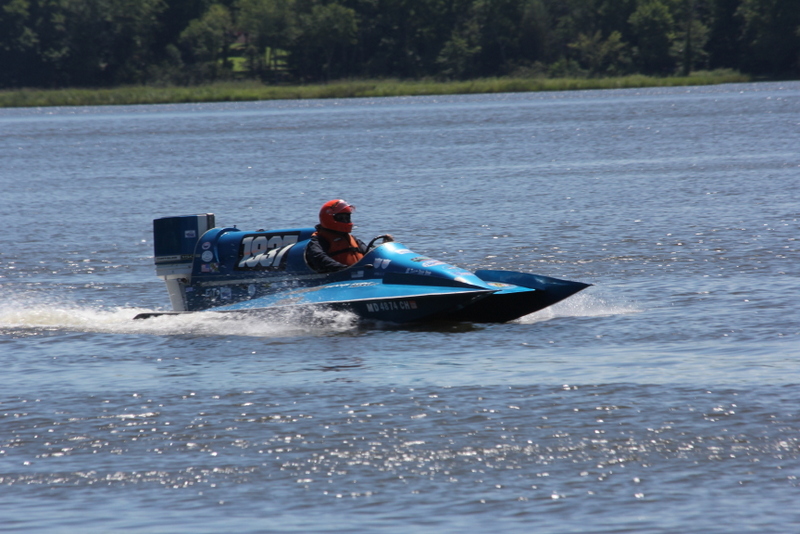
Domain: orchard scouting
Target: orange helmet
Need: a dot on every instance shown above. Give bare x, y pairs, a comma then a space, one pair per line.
335, 215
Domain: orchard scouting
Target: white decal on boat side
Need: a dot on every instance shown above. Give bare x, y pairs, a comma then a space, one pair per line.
265, 250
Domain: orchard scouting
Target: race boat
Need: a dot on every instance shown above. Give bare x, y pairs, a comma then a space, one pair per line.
220, 269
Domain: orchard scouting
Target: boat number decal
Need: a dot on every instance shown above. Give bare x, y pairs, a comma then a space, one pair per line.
265, 251
391, 305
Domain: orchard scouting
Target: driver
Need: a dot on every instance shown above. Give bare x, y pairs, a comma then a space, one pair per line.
332, 247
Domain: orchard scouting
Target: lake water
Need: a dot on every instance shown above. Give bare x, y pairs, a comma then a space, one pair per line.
664, 398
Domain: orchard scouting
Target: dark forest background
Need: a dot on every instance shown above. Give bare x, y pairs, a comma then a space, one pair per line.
102, 43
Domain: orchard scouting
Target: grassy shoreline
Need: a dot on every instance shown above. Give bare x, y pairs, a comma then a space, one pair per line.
251, 91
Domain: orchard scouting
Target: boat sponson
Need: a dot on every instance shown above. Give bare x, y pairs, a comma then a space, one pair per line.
370, 299
411, 279
515, 302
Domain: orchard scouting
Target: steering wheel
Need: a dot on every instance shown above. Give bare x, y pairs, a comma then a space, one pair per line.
385, 237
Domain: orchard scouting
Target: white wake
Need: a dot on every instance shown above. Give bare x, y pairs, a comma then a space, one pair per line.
28, 314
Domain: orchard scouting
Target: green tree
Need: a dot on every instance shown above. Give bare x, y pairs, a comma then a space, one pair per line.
690, 37
500, 31
404, 38
269, 26
725, 30
176, 16
325, 36
602, 57
653, 29
51, 43
17, 42
570, 19
771, 36
458, 58
537, 38
613, 15
205, 44
108, 41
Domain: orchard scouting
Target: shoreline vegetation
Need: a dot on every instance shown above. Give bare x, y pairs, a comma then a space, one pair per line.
245, 91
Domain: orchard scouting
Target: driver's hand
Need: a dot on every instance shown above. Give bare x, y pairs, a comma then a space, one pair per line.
389, 238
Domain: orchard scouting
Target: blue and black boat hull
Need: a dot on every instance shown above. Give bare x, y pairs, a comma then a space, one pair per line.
208, 268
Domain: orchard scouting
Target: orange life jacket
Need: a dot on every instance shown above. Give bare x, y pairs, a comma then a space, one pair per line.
341, 247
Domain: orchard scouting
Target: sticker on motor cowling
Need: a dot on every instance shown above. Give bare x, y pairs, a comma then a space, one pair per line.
265, 251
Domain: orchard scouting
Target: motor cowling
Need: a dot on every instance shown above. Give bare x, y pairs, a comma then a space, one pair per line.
174, 242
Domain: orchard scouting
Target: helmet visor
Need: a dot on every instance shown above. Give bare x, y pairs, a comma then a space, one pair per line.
341, 207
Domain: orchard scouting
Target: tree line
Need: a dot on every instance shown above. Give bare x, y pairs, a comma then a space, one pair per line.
94, 43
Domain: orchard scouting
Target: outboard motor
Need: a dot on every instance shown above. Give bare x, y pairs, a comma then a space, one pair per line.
174, 242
